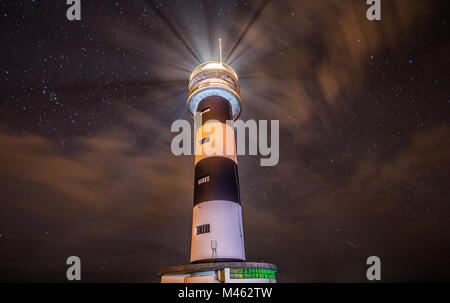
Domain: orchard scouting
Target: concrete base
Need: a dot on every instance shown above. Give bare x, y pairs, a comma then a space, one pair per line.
220, 272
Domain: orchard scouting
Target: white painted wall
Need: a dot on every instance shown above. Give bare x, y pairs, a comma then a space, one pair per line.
225, 219
221, 144
200, 279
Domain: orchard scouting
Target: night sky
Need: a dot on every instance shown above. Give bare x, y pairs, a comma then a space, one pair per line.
86, 108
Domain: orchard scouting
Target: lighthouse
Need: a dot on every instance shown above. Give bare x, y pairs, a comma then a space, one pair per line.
217, 238
217, 230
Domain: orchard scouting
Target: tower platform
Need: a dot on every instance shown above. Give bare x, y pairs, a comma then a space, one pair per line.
220, 272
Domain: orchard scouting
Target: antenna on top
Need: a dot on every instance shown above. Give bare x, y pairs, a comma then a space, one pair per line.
220, 49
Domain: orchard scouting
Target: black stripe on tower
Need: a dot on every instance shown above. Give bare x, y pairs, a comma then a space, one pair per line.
215, 108
216, 178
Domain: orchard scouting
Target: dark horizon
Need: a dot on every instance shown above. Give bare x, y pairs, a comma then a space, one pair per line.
86, 167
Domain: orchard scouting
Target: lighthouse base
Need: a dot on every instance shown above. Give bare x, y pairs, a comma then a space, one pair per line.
220, 272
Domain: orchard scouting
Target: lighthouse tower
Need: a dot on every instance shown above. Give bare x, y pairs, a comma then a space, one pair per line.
217, 231
217, 241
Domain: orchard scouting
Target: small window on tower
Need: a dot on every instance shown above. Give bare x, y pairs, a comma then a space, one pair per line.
204, 140
202, 229
205, 110
203, 180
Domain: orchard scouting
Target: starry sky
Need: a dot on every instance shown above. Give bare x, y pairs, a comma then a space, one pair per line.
85, 115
